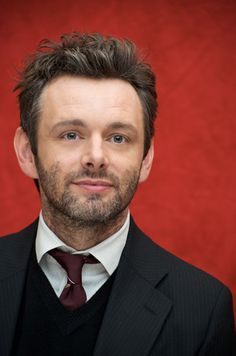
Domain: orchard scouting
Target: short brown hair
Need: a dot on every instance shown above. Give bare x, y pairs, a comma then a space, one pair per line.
86, 55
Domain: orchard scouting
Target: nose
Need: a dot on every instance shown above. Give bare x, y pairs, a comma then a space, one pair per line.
94, 157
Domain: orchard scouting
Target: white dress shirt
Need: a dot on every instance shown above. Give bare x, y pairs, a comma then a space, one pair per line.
108, 253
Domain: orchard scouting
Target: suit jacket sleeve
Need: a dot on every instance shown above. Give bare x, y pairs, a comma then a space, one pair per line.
220, 338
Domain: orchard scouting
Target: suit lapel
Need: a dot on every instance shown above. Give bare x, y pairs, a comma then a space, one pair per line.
14, 253
136, 310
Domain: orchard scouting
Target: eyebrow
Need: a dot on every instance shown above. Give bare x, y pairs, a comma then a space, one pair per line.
78, 122
121, 125
73, 122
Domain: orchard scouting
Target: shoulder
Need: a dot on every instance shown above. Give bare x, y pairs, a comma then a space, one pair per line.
14, 248
181, 276
26, 231
201, 304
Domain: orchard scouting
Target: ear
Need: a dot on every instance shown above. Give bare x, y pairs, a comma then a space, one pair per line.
147, 164
24, 154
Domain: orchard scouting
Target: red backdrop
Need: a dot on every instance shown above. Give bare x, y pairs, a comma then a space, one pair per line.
188, 204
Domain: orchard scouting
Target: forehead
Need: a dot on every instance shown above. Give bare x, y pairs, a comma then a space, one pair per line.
69, 96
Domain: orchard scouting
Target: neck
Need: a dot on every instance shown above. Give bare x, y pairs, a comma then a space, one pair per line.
78, 235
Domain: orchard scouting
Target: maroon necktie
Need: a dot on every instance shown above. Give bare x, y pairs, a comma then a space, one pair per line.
73, 295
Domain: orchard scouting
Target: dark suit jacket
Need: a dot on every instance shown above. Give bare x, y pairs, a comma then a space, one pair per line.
159, 305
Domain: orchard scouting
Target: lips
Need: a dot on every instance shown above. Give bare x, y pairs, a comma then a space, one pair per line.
93, 185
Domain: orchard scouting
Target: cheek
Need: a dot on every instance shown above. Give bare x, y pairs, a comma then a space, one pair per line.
50, 157
126, 170
130, 156
130, 162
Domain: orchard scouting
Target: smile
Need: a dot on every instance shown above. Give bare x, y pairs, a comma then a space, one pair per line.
94, 185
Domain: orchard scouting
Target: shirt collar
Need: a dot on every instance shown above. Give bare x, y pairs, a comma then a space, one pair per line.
107, 252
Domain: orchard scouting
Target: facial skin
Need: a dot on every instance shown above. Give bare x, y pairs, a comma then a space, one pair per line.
90, 156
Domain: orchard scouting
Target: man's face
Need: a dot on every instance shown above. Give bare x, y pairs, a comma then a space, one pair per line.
90, 147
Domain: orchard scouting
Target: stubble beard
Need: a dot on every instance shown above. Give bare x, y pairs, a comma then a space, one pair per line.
71, 210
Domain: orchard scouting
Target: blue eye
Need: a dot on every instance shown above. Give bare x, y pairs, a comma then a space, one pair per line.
71, 136
118, 139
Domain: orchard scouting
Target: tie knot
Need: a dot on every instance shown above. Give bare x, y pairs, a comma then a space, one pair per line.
72, 263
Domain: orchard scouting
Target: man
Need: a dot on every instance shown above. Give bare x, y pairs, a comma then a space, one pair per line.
83, 279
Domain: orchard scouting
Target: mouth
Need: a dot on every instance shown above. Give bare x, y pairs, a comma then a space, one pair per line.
93, 185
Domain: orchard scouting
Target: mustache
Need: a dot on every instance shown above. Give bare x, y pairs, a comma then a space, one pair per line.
86, 173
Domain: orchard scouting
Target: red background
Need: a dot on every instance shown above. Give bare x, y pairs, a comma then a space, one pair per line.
188, 205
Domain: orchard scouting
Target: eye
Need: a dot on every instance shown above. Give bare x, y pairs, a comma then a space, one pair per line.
118, 139
70, 136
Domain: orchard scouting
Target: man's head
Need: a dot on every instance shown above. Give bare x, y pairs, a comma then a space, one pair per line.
87, 113
89, 56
